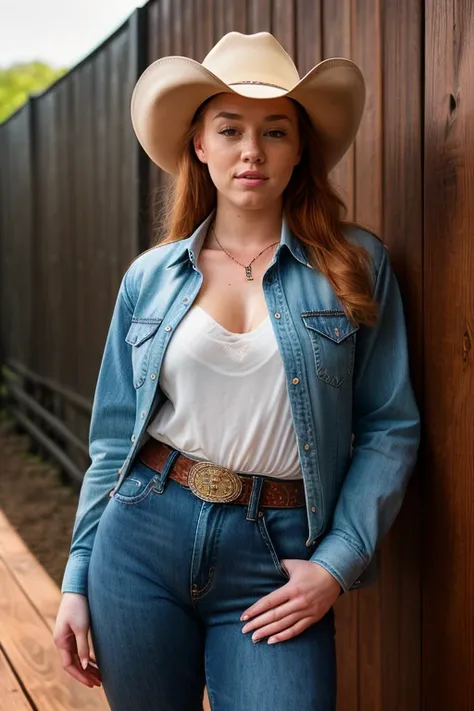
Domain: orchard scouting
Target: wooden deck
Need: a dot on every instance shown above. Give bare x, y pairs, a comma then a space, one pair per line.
31, 677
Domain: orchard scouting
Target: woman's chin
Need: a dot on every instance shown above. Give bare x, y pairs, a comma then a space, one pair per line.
251, 201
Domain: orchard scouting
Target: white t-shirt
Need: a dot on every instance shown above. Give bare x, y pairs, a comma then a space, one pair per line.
228, 400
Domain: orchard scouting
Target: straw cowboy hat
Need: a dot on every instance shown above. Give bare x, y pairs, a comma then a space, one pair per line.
170, 90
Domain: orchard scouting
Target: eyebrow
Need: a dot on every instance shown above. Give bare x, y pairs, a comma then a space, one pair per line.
236, 117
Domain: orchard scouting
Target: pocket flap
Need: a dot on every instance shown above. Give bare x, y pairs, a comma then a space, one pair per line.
140, 331
335, 326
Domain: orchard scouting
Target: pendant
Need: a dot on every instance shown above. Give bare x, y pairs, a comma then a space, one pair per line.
248, 273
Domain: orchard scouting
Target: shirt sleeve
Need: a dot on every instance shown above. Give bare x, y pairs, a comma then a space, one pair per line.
386, 428
112, 422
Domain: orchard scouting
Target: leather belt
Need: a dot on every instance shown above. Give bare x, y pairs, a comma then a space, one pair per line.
211, 482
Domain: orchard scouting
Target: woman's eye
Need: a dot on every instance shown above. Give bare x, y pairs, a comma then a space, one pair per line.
228, 132
276, 131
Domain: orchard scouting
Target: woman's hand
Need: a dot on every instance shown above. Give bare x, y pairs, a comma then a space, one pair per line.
288, 611
71, 638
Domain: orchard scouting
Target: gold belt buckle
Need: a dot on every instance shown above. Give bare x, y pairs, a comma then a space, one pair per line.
211, 482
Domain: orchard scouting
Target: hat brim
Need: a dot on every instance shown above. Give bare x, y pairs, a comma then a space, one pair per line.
170, 90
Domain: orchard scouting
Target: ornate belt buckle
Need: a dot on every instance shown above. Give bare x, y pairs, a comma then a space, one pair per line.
213, 483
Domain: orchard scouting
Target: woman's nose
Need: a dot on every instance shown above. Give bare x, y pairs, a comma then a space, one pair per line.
252, 151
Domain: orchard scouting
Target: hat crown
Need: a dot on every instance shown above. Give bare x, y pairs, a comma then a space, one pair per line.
239, 58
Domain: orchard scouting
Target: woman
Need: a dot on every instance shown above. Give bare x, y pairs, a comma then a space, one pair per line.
254, 399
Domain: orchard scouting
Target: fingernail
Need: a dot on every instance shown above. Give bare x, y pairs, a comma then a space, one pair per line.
272, 640
244, 618
84, 663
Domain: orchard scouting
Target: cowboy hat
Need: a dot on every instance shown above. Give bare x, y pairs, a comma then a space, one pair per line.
168, 93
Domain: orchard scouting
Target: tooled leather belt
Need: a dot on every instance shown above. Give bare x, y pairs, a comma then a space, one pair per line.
211, 482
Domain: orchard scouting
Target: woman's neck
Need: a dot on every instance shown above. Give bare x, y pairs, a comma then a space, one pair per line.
245, 231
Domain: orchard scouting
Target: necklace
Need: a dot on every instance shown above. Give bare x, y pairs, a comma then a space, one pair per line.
248, 267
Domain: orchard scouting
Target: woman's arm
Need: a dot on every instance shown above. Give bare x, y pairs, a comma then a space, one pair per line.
112, 422
386, 426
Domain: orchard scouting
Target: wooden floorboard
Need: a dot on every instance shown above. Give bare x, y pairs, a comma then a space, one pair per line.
12, 697
31, 676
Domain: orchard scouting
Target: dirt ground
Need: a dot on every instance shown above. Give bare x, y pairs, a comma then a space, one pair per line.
35, 500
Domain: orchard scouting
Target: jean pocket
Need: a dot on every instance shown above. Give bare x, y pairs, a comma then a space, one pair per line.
333, 339
262, 526
285, 532
137, 485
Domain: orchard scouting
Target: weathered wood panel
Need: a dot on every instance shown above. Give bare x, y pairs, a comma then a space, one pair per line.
448, 367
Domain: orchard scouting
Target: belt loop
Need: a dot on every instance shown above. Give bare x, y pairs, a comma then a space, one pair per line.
252, 511
167, 467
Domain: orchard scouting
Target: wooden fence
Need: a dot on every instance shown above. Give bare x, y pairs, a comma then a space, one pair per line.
76, 197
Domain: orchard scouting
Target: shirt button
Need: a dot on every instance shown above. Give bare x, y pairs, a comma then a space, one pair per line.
313, 509
119, 470
296, 381
336, 331
306, 446
167, 328
277, 315
143, 414
153, 376
185, 300
133, 438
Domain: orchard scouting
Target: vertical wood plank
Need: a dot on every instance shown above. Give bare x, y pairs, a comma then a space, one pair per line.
229, 16
400, 581
152, 10
308, 35
336, 42
205, 36
448, 272
259, 16
165, 28
283, 24
368, 151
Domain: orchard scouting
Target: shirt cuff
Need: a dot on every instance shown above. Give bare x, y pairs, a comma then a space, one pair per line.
75, 575
340, 559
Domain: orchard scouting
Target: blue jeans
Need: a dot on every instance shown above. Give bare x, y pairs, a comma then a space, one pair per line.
170, 576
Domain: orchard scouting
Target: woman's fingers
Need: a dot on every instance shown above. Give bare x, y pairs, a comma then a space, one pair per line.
68, 645
278, 626
82, 645
71, 664
273, 615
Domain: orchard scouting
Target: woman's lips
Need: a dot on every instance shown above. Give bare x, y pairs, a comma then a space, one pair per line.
252, 182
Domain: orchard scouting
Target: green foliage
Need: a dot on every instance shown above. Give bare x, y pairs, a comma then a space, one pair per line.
20, 80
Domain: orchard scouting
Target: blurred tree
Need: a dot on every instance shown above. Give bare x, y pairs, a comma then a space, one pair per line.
20, 80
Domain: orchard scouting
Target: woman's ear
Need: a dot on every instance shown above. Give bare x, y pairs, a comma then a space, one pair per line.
199, 149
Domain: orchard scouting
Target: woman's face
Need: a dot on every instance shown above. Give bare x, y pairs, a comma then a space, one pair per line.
250, 147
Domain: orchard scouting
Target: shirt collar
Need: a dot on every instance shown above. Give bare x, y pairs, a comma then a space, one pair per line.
188, 249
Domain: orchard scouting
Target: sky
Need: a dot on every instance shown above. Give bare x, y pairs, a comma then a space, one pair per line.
58, 32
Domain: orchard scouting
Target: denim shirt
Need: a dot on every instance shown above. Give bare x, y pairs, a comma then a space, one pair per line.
354, 413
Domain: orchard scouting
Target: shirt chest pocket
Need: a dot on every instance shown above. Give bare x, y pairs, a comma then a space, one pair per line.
140, 337
333, 338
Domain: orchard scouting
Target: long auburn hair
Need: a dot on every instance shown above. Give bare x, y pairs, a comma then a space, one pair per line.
313, 210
